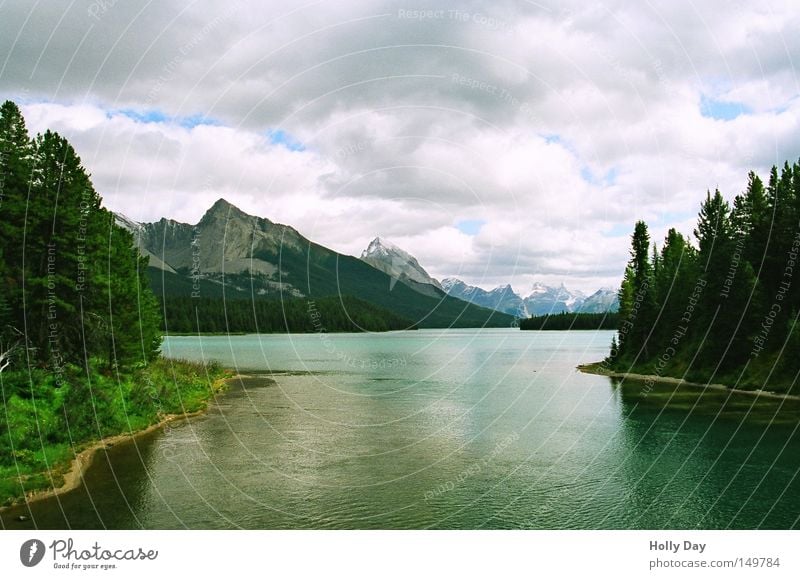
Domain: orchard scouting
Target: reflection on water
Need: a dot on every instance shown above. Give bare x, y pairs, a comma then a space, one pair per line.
719, 459
476, 429
109, 496
694, 401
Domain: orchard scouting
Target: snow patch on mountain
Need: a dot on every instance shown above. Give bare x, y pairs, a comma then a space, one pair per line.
540, 300
396, 263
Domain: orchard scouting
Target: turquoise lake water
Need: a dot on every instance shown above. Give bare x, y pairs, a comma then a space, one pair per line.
442, 429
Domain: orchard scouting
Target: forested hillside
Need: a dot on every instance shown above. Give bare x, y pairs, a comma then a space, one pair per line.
79, 326
74, 288
330, 314
724, 309
233, 255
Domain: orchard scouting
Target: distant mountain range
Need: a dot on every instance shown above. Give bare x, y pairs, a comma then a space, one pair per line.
501, 298
230, 254
541, 300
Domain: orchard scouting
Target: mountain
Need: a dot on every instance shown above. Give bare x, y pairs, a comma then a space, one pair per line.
400, 266
135, 228
231, 254
541, 300
502, 298
238, 243
601, 301
545, 299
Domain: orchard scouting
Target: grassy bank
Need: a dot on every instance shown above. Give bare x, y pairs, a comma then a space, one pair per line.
50, 418
755, 382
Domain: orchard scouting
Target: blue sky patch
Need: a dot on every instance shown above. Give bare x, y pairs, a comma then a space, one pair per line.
470, 226
281, 137
555, 139
142, 116
722, 110
608, 179
194, 120
159, 116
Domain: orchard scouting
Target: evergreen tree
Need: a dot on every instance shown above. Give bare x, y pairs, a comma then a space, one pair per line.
713, 230
714, 235
749, 216
625, 297
732, 298
781, 208
637, 308
129, 326
74, 285
16, 159
674, 282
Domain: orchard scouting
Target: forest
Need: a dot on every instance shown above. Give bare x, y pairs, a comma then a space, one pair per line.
722, 307
187, 315
79, 326
571, 321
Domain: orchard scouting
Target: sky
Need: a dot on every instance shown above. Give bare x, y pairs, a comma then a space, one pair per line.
498, 142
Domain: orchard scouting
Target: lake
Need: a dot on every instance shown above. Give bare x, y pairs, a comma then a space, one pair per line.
460, 429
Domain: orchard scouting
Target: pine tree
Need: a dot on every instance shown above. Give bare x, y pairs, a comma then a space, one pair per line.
783, 223
16, 159
714, 235
626, 303
713, 230
60, 237
74, 283
129, 318
637, 307
674, 282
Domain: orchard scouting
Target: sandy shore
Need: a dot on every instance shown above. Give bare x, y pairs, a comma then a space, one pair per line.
83, 460
597, 368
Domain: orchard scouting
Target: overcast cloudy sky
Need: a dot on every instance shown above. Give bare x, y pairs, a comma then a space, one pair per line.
502, 141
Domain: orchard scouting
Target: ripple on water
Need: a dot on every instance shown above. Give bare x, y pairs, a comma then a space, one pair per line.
478, 429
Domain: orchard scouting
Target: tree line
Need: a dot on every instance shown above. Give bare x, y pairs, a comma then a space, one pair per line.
73, 285
724, 306
79, 325
187, 315
572, 321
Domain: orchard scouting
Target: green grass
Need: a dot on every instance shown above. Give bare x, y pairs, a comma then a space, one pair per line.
42, 427
766, 372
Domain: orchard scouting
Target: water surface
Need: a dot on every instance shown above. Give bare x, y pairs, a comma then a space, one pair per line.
442, 429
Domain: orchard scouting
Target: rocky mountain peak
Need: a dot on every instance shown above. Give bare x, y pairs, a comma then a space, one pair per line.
397, 263
126, 222
542, 299
222, 209
382, 247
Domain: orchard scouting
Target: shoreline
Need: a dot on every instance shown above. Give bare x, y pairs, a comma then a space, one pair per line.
597, 369
82, 461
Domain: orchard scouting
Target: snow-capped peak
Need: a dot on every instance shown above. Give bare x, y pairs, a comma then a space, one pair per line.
382, 247
539, 288
395, 262
126, 222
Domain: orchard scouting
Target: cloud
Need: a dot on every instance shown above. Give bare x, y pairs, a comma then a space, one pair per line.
554, 124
